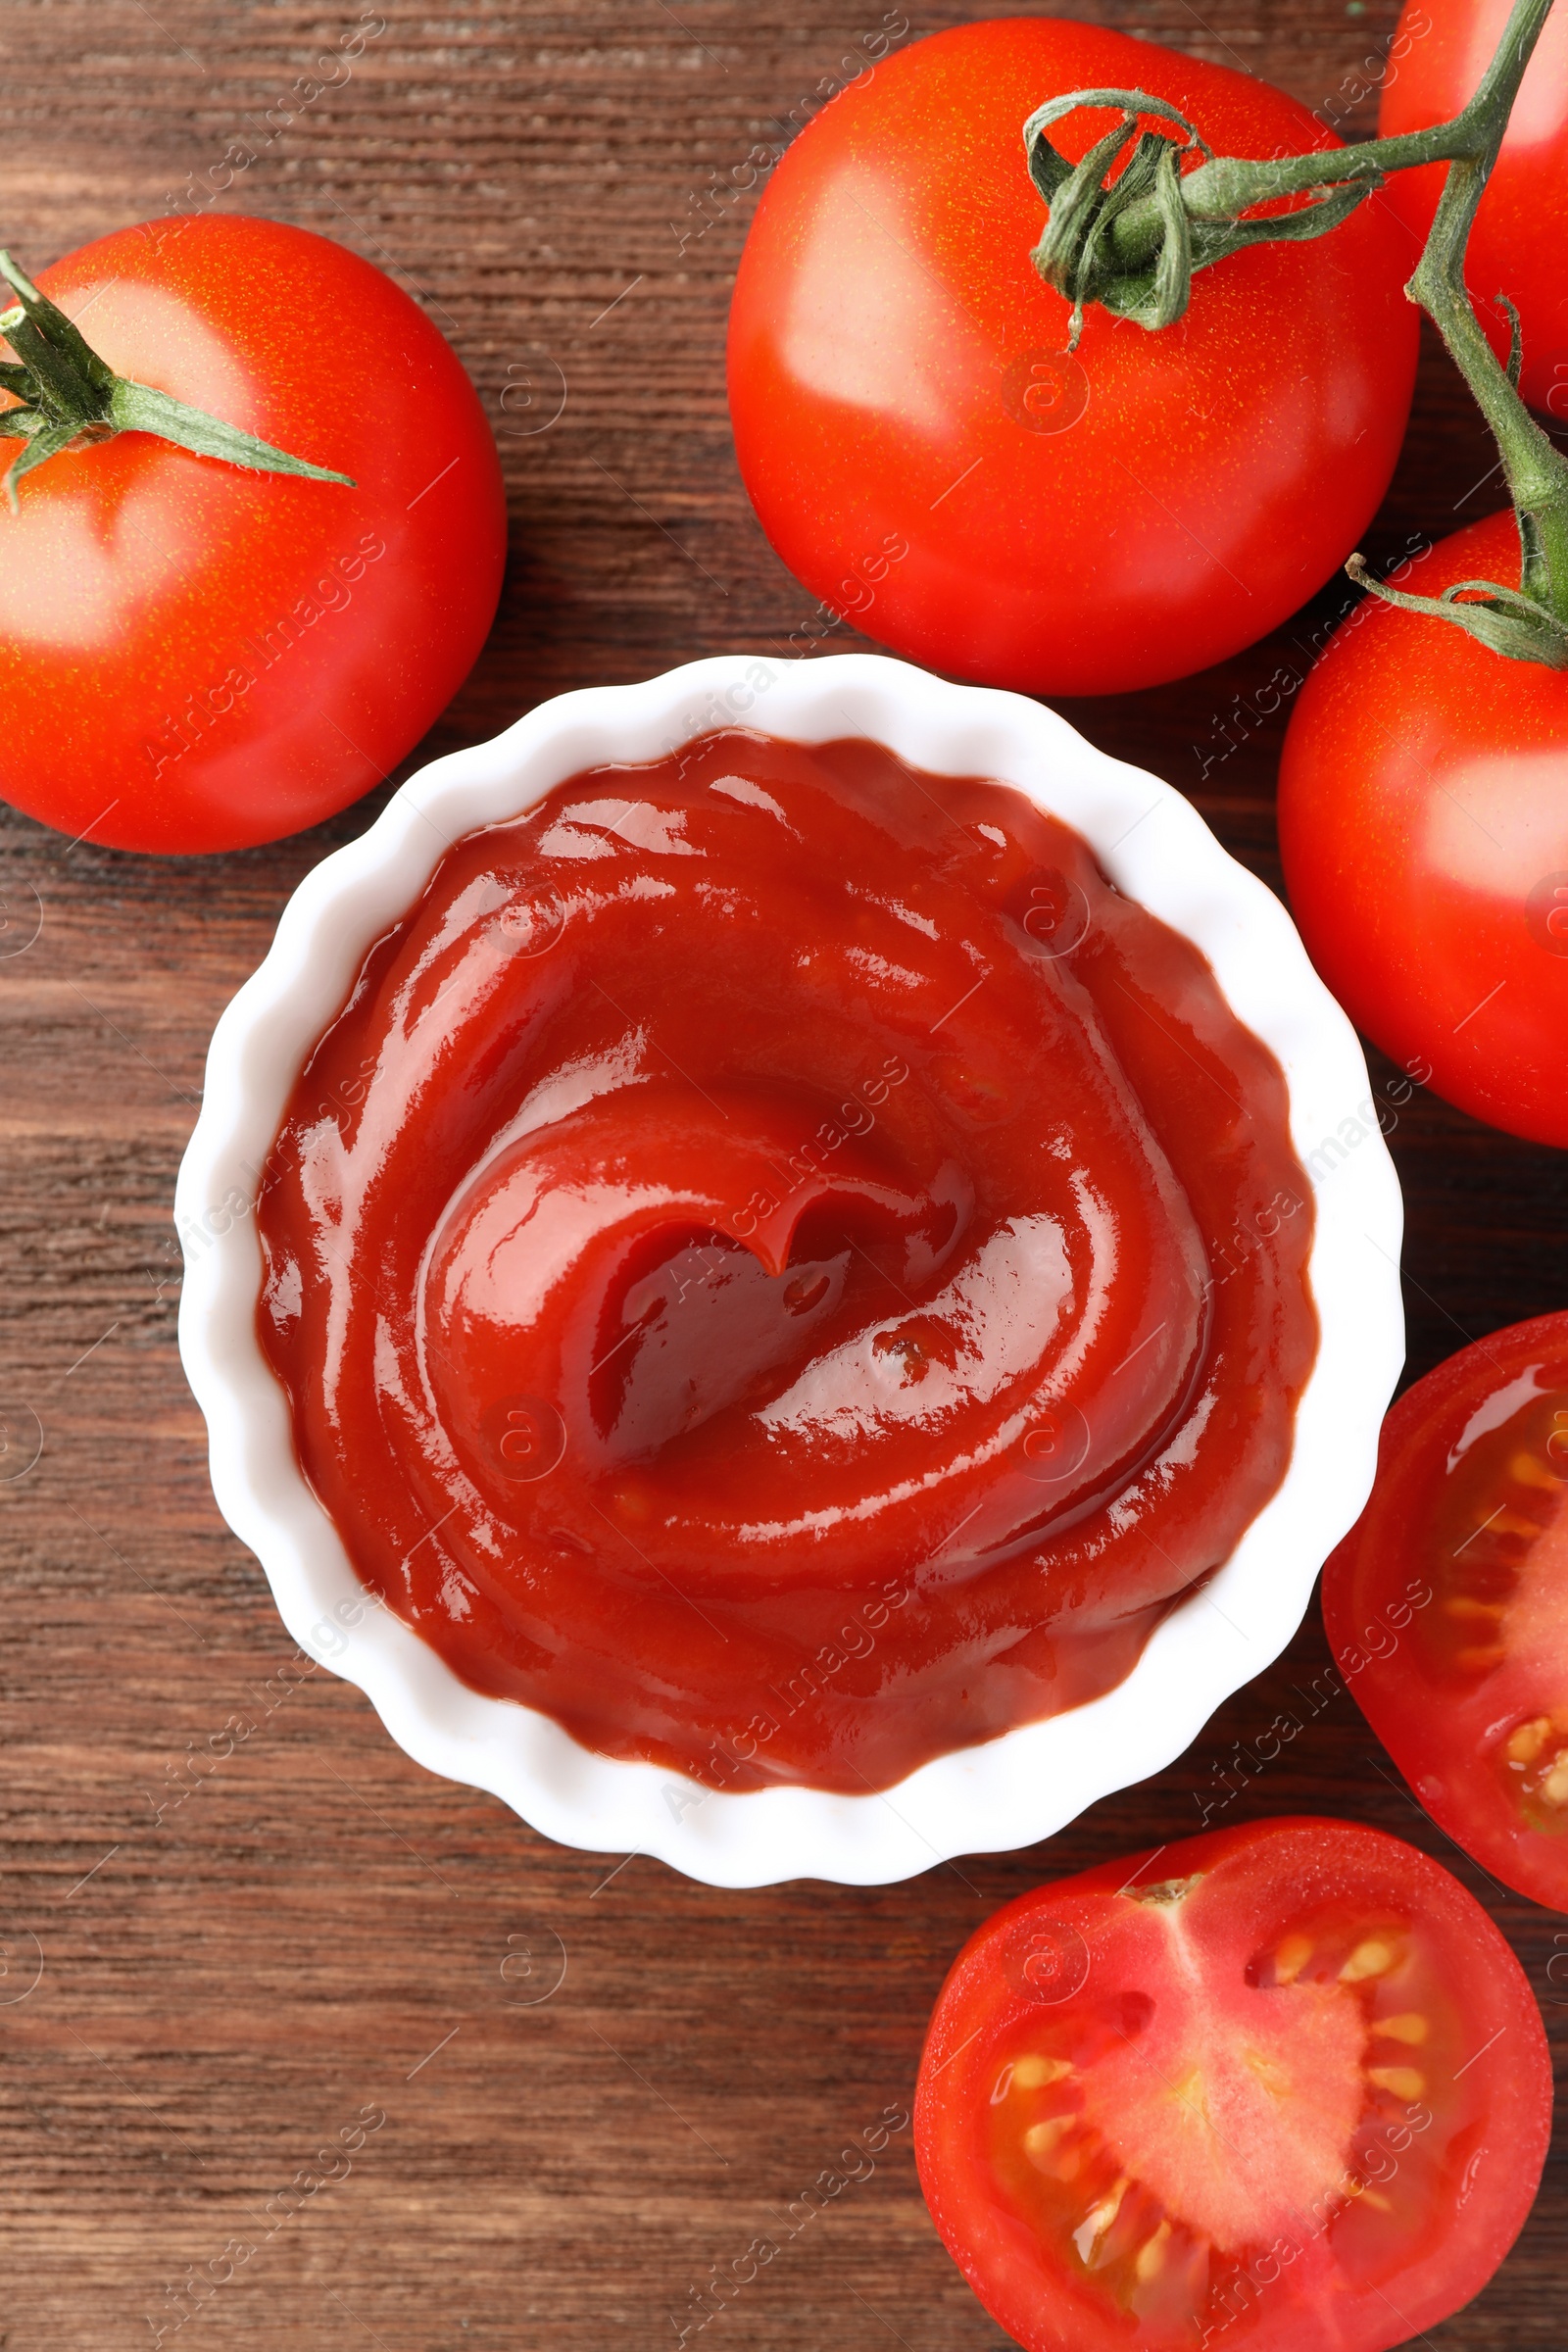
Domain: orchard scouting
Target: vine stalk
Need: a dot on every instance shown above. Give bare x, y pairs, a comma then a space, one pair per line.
1132, 243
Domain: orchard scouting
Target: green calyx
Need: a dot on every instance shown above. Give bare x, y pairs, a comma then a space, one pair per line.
1131, 243
1133, 246
1502, 620
69, 398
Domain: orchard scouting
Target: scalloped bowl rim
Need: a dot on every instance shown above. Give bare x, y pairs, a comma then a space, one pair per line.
1027, 1783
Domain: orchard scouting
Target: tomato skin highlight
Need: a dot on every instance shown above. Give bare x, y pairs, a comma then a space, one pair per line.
1084, 525
1471, 1506
1214, 1946
1423, 818
1441, 49
194, 657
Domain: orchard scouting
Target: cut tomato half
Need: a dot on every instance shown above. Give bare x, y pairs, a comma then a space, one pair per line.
1447, 1603
1277, 2088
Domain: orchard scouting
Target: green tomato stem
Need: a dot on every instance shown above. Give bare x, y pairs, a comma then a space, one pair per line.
1534, 470
68, 397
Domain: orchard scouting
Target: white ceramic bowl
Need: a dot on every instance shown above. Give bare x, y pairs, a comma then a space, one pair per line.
1030, 1782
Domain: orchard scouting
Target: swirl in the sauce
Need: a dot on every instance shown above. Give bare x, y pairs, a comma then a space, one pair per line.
782, 1267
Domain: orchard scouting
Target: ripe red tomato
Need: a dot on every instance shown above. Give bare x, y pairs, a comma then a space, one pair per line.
1447, 1603
1423, 814
193, 656
927, 458
1520, 237
1283, 2086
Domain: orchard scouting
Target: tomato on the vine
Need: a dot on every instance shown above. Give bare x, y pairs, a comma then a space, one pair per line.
1519, 243
197, 657
1423, 816
1447, 1603
928, 458
1281, 2087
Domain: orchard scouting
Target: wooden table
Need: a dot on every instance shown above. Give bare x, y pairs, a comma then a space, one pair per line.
320, 1935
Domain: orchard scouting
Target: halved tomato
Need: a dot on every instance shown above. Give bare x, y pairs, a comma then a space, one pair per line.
1281, 2086
1446, 1604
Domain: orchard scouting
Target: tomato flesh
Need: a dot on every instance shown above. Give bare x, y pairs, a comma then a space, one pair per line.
1447, 1603
1241, 2103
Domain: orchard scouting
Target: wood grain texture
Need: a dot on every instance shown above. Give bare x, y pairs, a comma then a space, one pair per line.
320, 1929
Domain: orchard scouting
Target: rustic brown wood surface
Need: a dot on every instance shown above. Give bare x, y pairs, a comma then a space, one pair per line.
321, 1934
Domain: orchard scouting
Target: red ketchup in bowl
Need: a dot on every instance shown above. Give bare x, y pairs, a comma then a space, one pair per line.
780, 1266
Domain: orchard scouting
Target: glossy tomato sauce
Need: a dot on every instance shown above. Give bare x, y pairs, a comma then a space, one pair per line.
779, 1265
